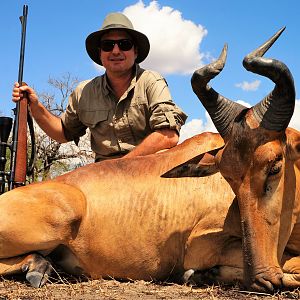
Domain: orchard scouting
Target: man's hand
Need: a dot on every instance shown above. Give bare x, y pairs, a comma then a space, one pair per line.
19, 92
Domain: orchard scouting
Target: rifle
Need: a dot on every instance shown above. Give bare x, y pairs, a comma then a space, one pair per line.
18, 161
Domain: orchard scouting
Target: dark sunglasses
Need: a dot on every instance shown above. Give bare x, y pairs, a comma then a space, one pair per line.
108, 45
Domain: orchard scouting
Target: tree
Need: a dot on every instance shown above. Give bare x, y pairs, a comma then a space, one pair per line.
53, 158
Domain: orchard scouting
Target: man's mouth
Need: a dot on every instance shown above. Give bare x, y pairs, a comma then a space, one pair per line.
116, 59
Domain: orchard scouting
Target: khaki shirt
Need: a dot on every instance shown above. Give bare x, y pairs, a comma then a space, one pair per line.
118, 125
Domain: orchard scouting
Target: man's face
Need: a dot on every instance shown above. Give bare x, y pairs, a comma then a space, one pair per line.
117, 61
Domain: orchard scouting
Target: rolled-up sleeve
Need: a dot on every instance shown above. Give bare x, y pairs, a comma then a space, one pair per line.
164, 113
73, 127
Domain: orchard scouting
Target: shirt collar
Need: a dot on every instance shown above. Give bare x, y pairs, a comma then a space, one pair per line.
107, 89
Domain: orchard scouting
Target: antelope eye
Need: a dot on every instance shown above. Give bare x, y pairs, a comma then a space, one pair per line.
275, 168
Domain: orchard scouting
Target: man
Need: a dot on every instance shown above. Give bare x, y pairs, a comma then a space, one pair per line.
128, 110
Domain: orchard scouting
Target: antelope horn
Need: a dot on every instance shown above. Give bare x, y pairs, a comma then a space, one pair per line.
221, 110
276, 109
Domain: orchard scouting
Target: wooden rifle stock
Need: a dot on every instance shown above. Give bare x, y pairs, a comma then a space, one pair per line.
21, 149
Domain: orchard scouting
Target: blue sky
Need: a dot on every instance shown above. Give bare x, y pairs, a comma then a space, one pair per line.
183, 34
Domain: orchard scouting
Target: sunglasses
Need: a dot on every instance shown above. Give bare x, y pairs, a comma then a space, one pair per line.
108, 45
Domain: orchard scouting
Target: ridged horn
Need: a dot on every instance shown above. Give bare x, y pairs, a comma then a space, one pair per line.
276, 109
221, 110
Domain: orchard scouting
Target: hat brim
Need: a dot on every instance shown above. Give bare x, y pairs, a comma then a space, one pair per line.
140, 40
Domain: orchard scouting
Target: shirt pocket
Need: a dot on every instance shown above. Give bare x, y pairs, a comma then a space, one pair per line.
92, 118
138, 120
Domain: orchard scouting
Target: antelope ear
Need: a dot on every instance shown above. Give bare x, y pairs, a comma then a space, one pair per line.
200, 166
293, 143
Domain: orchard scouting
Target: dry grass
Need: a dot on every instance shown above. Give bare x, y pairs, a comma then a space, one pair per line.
70, 288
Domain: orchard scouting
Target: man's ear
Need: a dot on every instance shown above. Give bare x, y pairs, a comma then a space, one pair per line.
200, 166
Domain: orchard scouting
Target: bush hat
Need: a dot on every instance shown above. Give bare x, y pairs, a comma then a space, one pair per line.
117, 21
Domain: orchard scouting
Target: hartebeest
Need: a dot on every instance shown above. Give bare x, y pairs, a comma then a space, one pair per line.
260, 161
125, 218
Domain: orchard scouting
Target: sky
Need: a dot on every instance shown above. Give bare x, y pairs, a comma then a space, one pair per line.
184, 36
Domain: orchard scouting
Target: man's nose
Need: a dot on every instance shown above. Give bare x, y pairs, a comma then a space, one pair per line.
116, 48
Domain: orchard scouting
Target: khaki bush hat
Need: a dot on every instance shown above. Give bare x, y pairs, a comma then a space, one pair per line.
117, 21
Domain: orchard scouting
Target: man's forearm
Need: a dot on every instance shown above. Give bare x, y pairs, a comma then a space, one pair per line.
158, 140
48, 122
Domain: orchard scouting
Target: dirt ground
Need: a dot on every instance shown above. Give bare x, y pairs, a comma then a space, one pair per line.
114, 290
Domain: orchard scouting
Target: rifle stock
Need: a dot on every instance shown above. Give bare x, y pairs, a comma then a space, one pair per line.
21, 151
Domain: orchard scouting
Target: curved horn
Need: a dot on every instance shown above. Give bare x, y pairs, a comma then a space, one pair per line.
276, 109
221, 110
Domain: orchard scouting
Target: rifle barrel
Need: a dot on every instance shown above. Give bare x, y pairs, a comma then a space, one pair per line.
23, 20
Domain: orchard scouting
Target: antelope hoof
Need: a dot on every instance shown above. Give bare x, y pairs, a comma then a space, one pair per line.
187, 276
38, 270
37, 279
